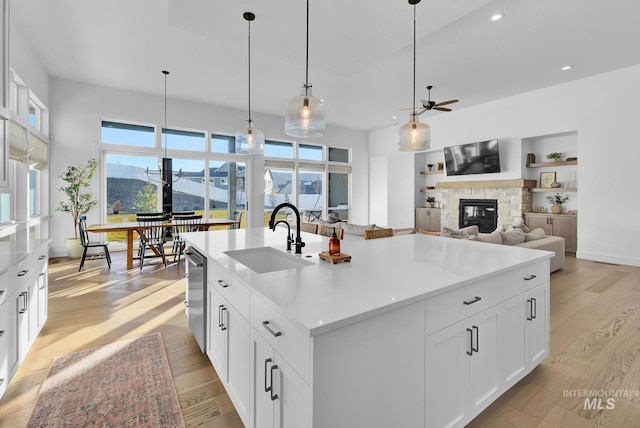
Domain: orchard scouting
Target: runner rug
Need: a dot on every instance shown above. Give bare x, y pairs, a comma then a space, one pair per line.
124, 384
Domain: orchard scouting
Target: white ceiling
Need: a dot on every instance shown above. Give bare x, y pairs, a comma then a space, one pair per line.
360, 53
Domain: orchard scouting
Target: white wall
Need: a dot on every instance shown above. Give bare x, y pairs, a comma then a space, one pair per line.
77, 110
604, 111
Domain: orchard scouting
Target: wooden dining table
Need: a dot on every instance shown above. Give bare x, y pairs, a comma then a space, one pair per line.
134, 226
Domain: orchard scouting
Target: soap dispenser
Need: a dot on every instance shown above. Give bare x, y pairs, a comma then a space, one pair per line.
334, 244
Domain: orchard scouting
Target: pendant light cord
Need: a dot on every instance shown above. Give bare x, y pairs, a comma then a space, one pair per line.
414, 61
249, 78
306, 85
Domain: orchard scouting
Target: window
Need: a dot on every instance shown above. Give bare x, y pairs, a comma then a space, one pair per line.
183, 140
308, 152
5, 207
128, 189
338, 155
223, 144
34, 115
37, 113
34, 178
127, 134
278, 149
339, 191
310, 191
278, 188
189, 191
227, 194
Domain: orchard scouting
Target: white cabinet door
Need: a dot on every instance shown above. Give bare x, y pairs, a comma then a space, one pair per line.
485, 362
526, 333
447, 373
43, 298
228, 349
216, 332
238, 353
514, 358
8, 341
538, 325
262, 407
280, 397
463, 361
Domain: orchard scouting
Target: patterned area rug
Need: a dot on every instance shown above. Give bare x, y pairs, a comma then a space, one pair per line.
124, 384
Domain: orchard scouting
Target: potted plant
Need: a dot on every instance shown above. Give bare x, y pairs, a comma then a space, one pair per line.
556, 202
77, 203
430, 201
554, 156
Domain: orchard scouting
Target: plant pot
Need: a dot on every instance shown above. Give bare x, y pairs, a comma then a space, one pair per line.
556, 209
74, 249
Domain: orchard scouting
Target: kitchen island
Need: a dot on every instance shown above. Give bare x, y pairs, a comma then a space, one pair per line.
414, 331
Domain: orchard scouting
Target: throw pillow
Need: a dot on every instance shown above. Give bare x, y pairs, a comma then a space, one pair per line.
332, 218
493, 238
355, 229
512, 237
535, 234
465, 233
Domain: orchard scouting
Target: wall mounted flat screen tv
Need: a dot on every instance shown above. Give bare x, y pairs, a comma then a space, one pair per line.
473, 158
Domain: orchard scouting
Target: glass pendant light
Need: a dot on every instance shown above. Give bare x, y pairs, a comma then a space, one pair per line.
414, 135
249, 140
305, 115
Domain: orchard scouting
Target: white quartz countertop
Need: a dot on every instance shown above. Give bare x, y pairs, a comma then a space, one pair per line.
383, 274
14, 252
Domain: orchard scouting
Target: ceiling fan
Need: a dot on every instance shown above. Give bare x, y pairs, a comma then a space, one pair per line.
432, 105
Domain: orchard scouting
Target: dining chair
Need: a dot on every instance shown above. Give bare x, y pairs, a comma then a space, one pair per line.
87, 243
152, 235
328, 231
237, 216
309, 227
183, 224
182, 213
378, 233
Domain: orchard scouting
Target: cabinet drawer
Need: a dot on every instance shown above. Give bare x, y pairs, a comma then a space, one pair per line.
524, 278
229, 287
285, 338
4, 371
455, 305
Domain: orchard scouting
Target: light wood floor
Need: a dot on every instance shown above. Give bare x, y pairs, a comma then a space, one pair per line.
99, 306
595, 344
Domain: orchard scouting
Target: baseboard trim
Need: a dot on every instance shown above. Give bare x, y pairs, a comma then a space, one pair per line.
608, 258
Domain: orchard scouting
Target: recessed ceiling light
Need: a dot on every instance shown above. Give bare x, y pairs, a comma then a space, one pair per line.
567, 67
496, 17
394, 117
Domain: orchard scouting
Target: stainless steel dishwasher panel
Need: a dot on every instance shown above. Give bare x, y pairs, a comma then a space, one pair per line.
196, 295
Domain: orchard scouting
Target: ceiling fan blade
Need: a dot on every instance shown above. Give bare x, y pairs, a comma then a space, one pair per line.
442, 108
422, 111
444, 103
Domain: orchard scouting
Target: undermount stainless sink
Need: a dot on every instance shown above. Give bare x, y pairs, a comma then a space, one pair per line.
266, 259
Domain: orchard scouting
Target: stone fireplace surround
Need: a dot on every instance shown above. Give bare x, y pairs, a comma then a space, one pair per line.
514, 198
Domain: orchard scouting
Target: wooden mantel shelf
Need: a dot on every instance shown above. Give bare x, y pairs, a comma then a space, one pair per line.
502, 184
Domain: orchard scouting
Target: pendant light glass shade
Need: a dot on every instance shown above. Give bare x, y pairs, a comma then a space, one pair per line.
249, 140
414, 135
305, 116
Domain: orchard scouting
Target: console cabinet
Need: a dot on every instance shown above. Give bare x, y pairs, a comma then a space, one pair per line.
428, 219
23, 308
563, 225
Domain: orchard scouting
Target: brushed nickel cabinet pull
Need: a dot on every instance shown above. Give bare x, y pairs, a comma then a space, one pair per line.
530, 277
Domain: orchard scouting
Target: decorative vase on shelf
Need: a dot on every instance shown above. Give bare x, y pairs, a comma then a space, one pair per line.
556, 209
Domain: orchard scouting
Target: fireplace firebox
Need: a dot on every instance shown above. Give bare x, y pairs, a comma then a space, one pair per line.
479, 212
